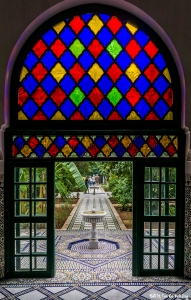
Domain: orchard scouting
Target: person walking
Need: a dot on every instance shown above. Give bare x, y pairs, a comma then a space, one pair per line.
87, 184
93, 180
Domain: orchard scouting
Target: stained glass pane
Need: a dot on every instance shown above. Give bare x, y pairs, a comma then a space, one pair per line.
95, 66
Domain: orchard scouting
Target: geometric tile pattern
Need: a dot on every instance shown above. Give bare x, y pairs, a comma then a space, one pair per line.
94, 146
95, 67
2, 246
187, 231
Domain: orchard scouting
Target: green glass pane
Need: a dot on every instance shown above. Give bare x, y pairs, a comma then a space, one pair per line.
168, 208
22, 230
40, 174
155, 172
147, 174
22, 246
147, 191
147, 208
22, 208
22, 263
39, 208
21, 174
168, 174
39, 191
39, 229
168, 191
154, 210
77, 96
77, 48
114, 48
21, 191
39, 263
154, 191
167, 229
114, 96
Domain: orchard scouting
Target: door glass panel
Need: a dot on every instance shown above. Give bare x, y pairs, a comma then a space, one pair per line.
39, 175
22, 229
39, 263
39, 208
39, 229
21, 191
168, 191
155, 174
22, 263
167, 245
167, 229
168, 174
154, 208
21, 174
147, 174
39, 246
22, 208
168, 208
167, 262
22, 246
151, 229
39, 191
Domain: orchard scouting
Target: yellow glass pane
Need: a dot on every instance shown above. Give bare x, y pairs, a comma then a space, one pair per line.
175, 142
132, 28
145, 150
169, 116
106, 150
133, 72
86, 141
165, 141
133, 116
126, 141
95, 72
46, 142
23, 73
66, 150
95, 24
58, 116
26, 150
58, 27
58, 72
95, 116
22, 116
167, 74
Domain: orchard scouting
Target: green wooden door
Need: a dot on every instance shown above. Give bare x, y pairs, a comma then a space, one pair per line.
158, 231
30, 220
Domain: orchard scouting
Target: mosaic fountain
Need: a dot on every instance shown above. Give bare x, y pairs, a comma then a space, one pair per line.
93, 217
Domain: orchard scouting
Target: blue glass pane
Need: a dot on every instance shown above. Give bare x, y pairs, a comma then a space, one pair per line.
100, 141
161, 108
86, 36
60, 142
67, 59
67, 108
104, 17
124, 108
30, 60
105, 84
67, 84
30, 108
141, 38
123, 84
40, 150
86, 17
19, 142
159, 61
49, 37
49, 84
158, 150
142, 60
124, 60
105, 60
142, 84
86, 108
161, 84
86, 60
30, 84
67, 36
86, 84
123, 36
48, 60
49, 108
105, 108
119, 150
105, 36
80, 150
139, 141
142, 108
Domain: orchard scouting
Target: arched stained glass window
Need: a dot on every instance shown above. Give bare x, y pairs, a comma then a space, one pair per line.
95, 66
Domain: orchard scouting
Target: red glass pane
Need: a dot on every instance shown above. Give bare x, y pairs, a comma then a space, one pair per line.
113, 141
39, 116
151, 49
39, 48
93, 150
114, 72
77, 72
58, 96
33, 142
95, 48
53, 150
77, 116
114, 24
114, 116
39, 96
96, 96
171, 150
73, 142
151, 116
22, 96
14, 151
151, 96
133, 48
132, 149
152, 141
58, 48
151, 72
133, 96
168, 96
39, 72
77, 24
